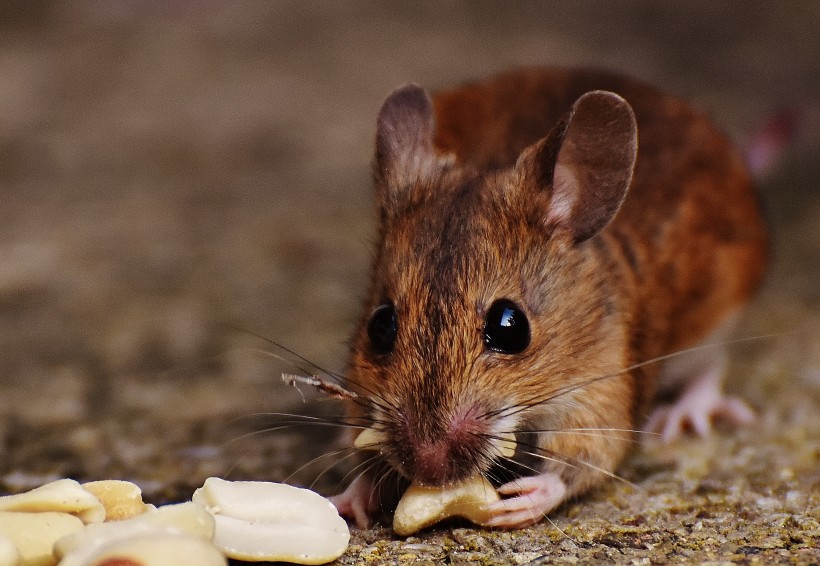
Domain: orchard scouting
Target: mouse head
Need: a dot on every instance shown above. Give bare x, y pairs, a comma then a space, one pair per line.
484, 301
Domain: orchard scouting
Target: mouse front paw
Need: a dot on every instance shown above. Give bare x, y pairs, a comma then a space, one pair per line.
357, 503
531, 499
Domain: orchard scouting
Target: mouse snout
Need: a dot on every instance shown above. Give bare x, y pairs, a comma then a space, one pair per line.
449, 453
433, 463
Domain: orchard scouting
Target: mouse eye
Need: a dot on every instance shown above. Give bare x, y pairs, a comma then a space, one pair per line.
506, 328
381, 328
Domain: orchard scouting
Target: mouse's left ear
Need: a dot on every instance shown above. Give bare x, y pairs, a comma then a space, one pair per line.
404, 141
584, 165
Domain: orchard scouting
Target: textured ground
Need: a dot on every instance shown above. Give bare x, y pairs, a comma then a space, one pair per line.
167, 172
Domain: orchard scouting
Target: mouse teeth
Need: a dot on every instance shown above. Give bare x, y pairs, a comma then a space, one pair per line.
369, 438
506, 445
422, 506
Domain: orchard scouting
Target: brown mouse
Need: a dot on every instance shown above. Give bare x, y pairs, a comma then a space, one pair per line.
542, 233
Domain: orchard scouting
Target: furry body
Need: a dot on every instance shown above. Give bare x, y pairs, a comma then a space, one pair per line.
520, 187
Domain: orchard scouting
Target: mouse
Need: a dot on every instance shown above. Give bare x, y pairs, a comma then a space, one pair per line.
548, 240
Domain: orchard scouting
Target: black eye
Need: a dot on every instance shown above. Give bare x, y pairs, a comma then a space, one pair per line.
506, 328
381, 328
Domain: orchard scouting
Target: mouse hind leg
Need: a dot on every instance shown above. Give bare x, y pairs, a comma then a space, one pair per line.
698, 376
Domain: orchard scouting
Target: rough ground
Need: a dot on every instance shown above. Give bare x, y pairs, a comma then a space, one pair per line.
169, 173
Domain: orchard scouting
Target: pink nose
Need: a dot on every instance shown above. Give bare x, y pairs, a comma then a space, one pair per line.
450, 455
433, 463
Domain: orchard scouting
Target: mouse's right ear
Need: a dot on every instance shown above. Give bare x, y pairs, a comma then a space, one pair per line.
404, 142
577, 177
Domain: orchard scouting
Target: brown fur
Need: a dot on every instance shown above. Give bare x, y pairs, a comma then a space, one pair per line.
465, 218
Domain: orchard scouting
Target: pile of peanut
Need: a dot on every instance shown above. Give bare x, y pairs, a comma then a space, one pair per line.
106, 523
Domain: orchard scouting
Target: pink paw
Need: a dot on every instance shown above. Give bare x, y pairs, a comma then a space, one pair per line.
534, 497
697, 412
357, 502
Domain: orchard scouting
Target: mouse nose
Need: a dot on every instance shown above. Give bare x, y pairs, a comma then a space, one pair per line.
434, 464
449, 455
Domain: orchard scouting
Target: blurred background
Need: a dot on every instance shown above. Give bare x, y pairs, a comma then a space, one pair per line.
178, 176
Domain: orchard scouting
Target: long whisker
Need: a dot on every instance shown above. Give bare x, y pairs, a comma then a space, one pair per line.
591, 432
557, 458
503, 464
576, 463
311, 364
560, 530
339, 379
341, 420
373, 399
350, 454
539, 400
380, 482
367, 464
299, 420
317, 458
283, 426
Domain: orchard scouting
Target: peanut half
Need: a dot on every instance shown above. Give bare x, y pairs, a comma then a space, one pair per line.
9, 556
121, 499
258, 521
189, 519
152, 549
64, 496
34, 534
422, 506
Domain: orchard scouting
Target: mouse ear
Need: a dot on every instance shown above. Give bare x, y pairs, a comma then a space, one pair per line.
585, 164
404, 139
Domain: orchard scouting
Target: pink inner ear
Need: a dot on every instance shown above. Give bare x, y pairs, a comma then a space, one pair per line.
564, 195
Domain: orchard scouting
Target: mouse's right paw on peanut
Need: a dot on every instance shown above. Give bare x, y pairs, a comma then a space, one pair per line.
532, 498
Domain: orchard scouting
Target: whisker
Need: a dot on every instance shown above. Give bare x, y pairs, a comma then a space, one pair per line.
535, 471
338, 378
538, 400
576, 463
342, 420
554, 457
380, 482
560, 530
316, 459
283, 426
591, 432
559, 458
373, 397
350, 454
311, 364
367, 464
302, 421
551, 456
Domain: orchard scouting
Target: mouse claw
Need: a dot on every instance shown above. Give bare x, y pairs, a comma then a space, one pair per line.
671, 422
533, 497
357, 502
699, 405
